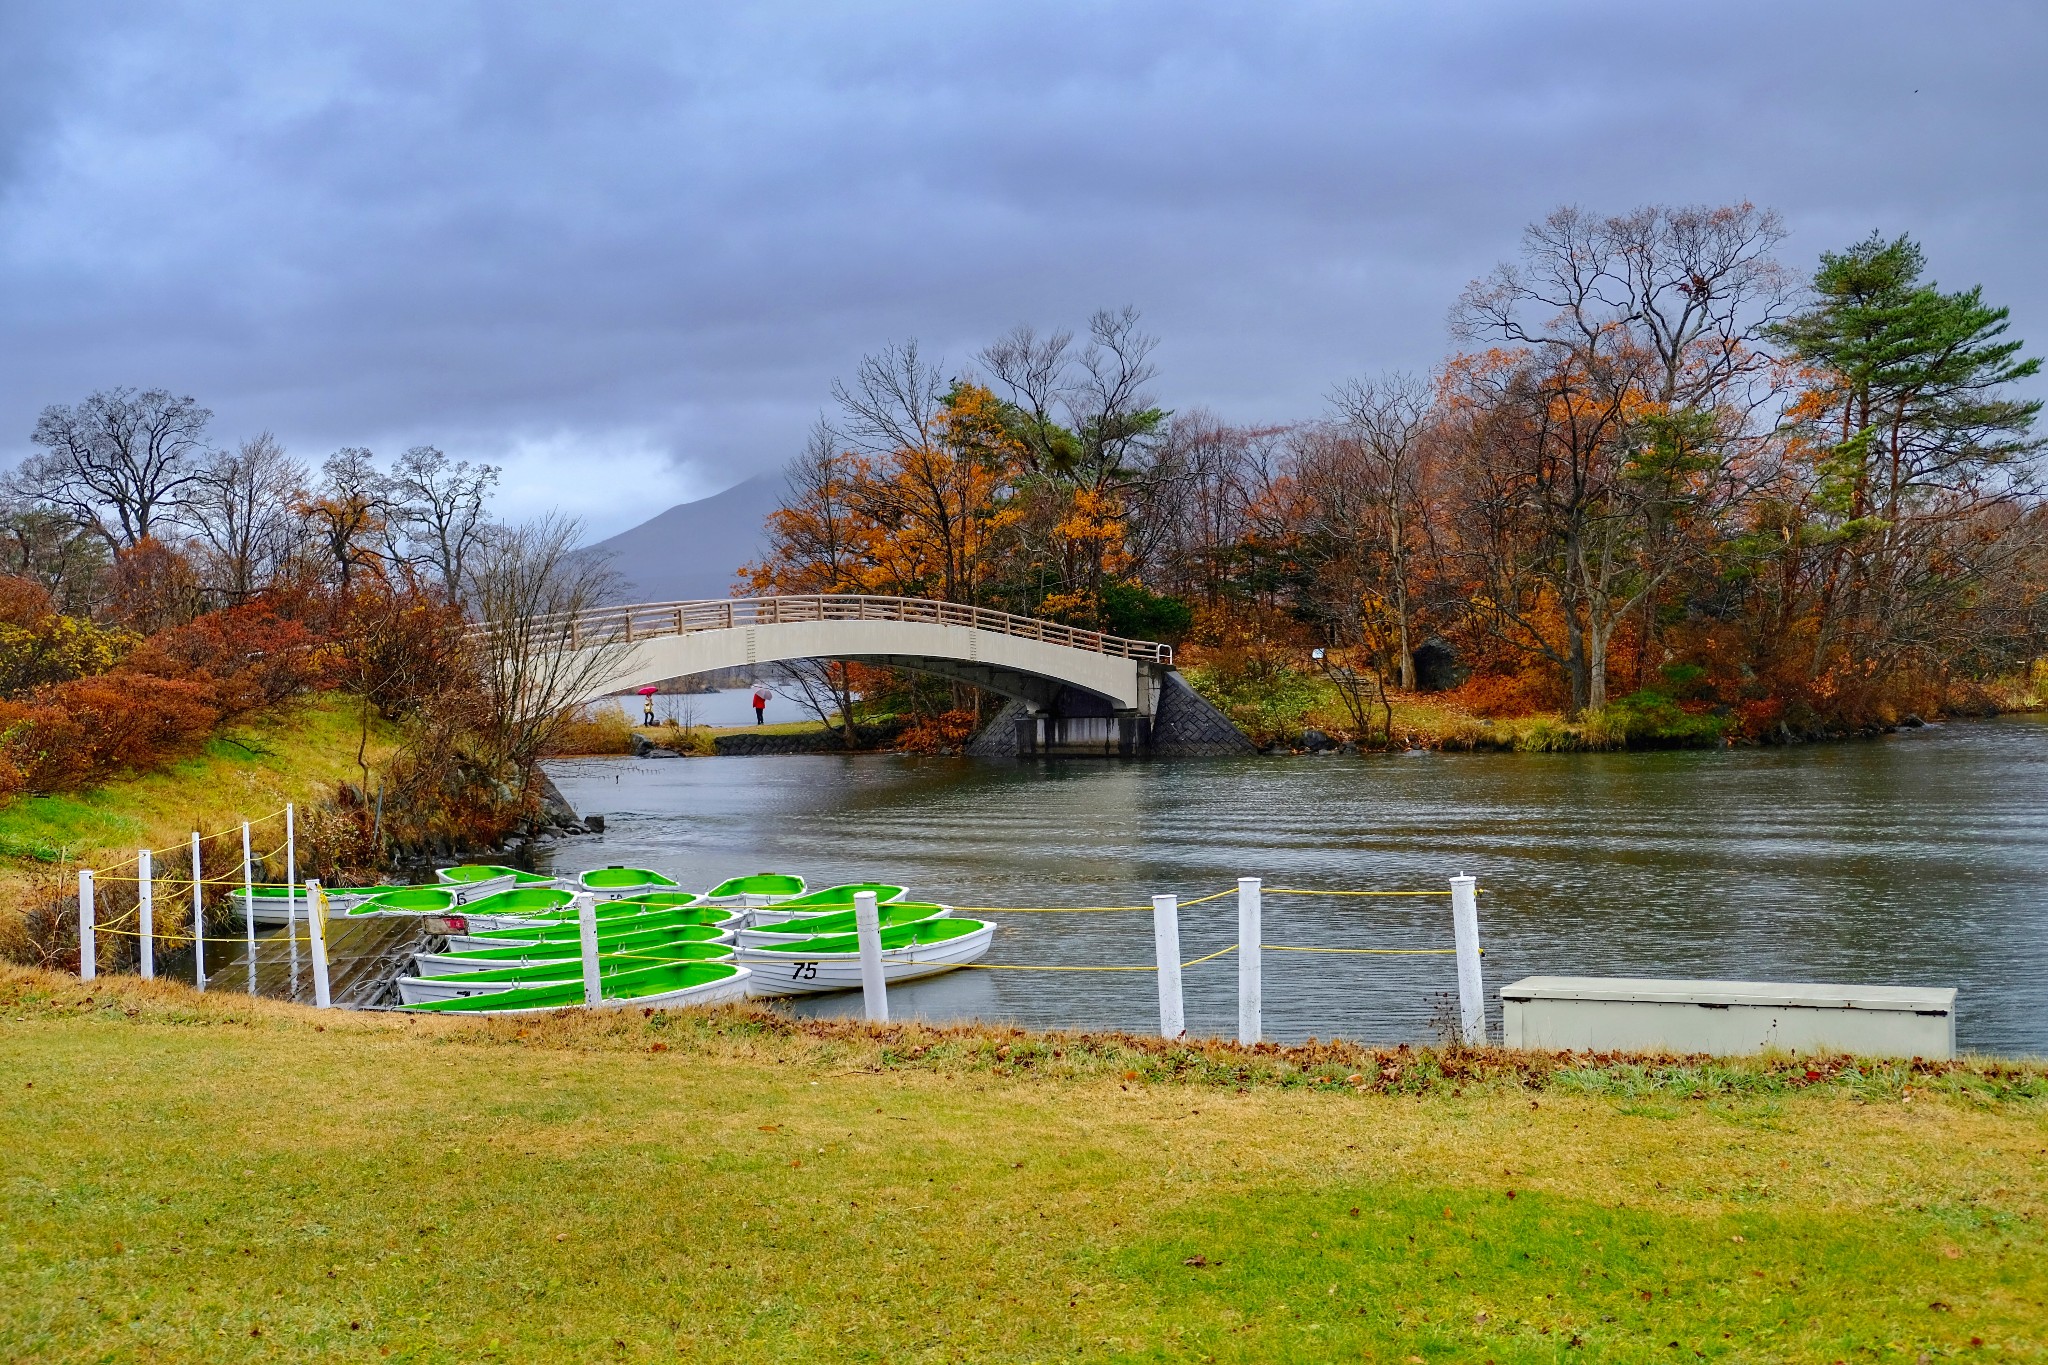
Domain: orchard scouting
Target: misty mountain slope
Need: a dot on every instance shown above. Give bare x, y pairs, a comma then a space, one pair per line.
694, 549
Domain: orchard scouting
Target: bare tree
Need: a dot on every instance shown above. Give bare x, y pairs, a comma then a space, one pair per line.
241, 509
1619, 422
527, 584
812, 535
823, 687
121, 461
49, 547
348, 511
894, 402
1383, 421
440, 508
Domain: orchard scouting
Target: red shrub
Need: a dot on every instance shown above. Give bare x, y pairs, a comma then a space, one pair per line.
80, 731
249, 655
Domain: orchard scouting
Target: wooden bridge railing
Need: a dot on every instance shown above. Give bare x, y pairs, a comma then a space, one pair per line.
648, 620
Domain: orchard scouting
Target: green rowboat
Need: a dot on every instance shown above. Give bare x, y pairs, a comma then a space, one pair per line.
519, 954
828, 899
611, 883
414, 990
839, 922
663, 985
762, 888
569, 930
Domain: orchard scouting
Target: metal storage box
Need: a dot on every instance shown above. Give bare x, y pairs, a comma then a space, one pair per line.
1638, 1014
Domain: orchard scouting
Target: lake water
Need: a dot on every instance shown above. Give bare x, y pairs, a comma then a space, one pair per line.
1917, 859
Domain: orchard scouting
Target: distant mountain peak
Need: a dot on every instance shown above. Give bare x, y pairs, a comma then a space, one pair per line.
694, 549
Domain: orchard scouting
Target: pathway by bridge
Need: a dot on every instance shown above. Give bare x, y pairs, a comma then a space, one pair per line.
1069, 690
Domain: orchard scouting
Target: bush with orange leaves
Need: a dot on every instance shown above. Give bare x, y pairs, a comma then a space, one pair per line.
946, 732
73, 733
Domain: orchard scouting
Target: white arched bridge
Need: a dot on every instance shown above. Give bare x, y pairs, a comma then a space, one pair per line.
1070, 690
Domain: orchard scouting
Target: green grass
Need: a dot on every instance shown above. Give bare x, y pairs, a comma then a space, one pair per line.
297, 752
736, 1185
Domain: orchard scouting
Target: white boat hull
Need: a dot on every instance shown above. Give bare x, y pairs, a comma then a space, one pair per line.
270, 911
788, 973
731, 988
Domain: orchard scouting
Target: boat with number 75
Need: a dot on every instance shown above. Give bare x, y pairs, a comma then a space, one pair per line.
832, 962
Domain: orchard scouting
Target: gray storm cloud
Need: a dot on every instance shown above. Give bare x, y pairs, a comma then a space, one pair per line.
629, 246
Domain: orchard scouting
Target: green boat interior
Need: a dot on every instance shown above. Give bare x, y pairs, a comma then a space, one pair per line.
659, 979
608, 964
568, 930
425, 900
841, 896
521, 900
842, 922
612, 878
632, 942
923, 931
758, 884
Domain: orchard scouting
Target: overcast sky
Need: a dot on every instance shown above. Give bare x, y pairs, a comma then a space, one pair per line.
623, 249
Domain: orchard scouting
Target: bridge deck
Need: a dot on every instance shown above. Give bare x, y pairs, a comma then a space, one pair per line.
644, 621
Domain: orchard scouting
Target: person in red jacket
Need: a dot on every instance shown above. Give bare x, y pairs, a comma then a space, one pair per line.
761, 695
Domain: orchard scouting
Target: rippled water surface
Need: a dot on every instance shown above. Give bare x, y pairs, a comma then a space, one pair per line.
1918, 859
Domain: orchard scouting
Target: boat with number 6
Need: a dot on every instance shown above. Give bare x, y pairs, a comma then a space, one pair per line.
519, 906
832, 962
414, 990
666, 985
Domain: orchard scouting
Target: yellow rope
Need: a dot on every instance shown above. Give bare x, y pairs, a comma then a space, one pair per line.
1389, 952
1297, 891
1037, 967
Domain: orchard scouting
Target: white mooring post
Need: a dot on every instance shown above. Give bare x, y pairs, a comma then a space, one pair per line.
867, 930
316, 930
1250, 990
88, 945
249, 904
146, 909
291, 874
1465, 929
586, 934
1166, 943
198, 918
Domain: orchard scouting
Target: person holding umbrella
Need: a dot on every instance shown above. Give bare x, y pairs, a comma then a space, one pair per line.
761, 696
647, 705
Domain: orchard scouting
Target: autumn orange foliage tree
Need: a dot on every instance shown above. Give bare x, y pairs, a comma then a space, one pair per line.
1668, 476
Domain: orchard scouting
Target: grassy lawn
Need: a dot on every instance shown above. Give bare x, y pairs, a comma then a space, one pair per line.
203, 1178
299, 752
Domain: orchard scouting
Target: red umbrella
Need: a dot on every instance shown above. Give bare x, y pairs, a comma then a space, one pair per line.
649, 691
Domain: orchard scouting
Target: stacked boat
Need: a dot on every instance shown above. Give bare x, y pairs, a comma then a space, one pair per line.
452, 887
519, 949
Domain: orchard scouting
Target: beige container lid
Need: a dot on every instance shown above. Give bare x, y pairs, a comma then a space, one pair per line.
1769, 994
